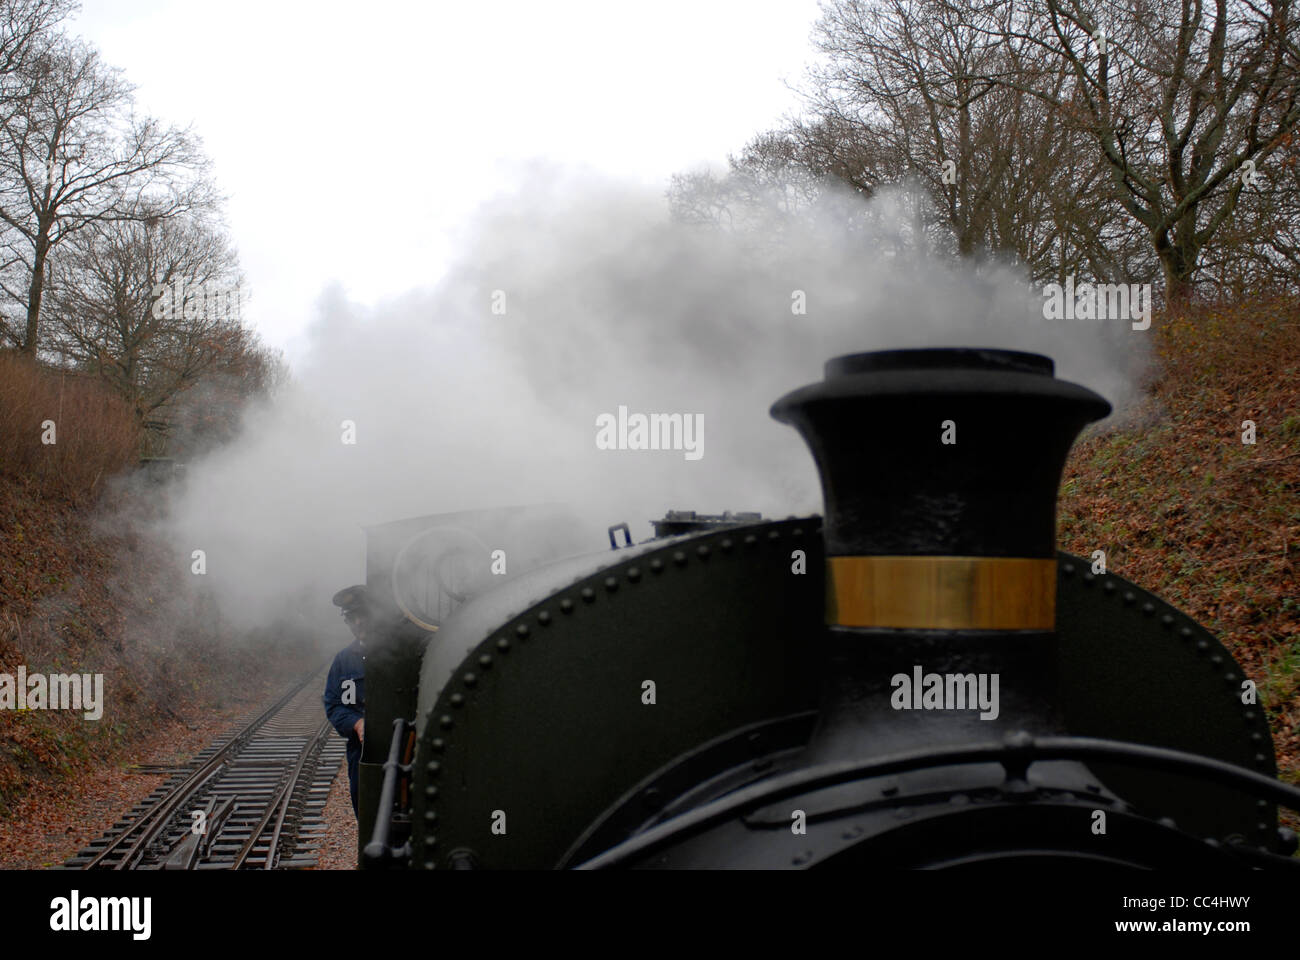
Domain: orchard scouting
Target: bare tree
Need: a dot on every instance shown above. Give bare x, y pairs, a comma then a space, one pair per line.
210, 413
1257, 249
1183, 100
26, 31
73, 154
764, 190
914, 73
150, 309
906, 94
1117, 138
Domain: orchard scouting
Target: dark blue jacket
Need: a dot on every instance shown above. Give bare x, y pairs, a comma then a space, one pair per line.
349, 665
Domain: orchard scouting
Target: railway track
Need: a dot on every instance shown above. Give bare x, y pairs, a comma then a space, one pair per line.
252, 800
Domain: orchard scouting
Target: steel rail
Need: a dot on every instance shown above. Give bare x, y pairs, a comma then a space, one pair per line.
278, 807
155, 820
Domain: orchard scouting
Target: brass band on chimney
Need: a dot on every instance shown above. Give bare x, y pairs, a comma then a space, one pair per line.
941, 593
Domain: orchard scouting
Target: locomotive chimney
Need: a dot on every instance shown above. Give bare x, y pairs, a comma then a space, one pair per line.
939, 470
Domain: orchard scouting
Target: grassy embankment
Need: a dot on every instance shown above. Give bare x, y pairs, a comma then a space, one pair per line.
82, 592
1187, 510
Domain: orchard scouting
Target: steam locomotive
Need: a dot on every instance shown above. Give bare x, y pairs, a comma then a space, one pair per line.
918, 679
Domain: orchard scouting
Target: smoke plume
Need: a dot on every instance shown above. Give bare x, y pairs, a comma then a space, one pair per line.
571, 298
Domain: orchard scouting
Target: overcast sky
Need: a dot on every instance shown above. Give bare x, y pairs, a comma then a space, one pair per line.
352, 139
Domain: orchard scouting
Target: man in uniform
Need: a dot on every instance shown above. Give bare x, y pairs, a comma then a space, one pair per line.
345, 699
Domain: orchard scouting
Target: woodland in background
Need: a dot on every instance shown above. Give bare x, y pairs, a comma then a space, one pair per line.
1118, 141
115, 265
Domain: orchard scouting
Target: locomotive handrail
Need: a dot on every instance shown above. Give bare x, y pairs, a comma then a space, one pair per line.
1015, 754
379, 850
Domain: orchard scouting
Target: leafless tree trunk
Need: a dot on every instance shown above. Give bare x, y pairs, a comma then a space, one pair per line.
72, 155
149, 309
1121, 138
1183, 101
908, 91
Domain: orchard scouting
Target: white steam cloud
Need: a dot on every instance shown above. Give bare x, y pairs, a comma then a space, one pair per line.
607, 303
